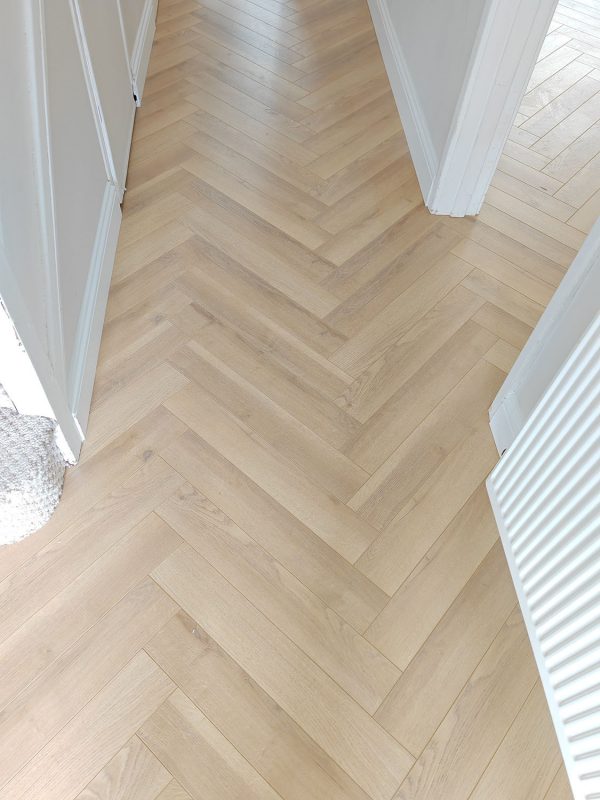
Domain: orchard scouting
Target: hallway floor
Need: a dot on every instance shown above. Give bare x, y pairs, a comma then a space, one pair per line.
275, 574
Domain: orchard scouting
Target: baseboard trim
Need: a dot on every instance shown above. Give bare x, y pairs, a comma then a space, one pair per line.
415, 126
142, 47
91, 318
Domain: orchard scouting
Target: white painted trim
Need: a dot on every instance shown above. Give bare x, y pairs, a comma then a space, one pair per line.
32, 382
411, 113
140, 56
560, 327
92, 88
91, 319
509, 40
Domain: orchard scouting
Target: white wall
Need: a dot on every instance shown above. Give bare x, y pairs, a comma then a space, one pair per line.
25, 287
20, 240
458, 70
437, 38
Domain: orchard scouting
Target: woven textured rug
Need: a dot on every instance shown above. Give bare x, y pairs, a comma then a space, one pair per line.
32, 472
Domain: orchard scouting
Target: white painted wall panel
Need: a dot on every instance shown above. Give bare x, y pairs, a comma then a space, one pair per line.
109, 64
437, 40
79, 172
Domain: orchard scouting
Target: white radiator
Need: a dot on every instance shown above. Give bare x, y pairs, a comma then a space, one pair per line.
545, 493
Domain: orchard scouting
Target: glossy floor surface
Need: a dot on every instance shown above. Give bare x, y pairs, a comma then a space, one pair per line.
274, 574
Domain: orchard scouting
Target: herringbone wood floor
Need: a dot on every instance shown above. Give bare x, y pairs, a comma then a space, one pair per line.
275, 573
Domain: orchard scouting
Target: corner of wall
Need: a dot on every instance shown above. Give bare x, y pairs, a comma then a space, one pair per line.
411, 113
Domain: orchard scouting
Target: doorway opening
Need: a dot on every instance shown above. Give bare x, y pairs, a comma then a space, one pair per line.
551, 161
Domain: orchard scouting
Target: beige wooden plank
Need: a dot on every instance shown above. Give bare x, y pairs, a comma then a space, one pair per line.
332, 644
400, 362
95, 735
553, 87
504, 296
521, 254
470, 734
293, 544
326, 515
173, 792
503, 355
336, 723
393, 484
294, 441
503, 324
396, 318
427, 689
136, 255
523, 766
280, 382
45, 636
61, 561
386, 268
417, 398
569, 129
557, 110
217, 225
521, 137
201, 758
525, 174
435, 582
583, 184
575, 155
397, 551
129, 405
533, 197
396, 206
272, 742
133, 774
550, 65
540, 220
587, 215
273, 341
94, 480
560, 788
41, 710
504, 271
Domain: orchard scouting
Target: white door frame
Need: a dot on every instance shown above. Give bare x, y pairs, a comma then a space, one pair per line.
511, 35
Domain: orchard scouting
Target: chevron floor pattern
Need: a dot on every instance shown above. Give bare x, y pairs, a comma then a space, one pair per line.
275, 575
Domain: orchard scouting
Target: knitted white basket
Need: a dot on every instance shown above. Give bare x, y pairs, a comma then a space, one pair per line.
31, 474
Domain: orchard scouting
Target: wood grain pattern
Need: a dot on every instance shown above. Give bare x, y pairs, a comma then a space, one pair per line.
274, 573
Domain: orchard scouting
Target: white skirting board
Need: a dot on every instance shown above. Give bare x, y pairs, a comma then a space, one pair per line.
140, 56
89, 329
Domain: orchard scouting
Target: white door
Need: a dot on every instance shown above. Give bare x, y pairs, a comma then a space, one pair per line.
108, 64
84, 201
545, 492
138, 20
